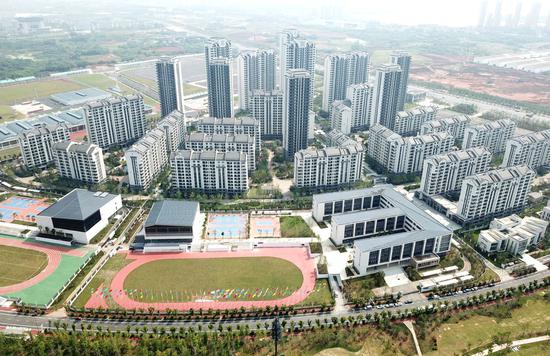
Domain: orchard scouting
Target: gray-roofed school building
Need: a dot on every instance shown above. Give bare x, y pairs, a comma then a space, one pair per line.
77, 217
79, 97
172, 225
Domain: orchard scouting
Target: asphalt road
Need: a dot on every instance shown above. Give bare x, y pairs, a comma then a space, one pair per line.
42, 322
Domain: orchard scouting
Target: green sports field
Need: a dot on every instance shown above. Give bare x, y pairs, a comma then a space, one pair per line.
19, 264
184, 280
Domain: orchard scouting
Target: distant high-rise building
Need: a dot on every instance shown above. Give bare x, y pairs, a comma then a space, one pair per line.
497, 18
116, 121
386, 95
267, 108
517, 14
532, 19
170, 84
548, 20
220, 93
219, 78
297, 53
483, 13
341, 71
256, 72
360, 97
296, 103
403, 60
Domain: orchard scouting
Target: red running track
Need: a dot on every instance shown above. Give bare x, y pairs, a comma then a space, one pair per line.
298, 256
54, 257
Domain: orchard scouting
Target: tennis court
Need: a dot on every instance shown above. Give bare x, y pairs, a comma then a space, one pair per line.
227, 226
21, 208
262, 226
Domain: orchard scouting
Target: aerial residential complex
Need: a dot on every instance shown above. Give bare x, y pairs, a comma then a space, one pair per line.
492, 135
512, 234
210, 172
198, 141
36, 144
118, 121
398, 154
444, 173
267, 108
493, 194
330, 167
532, 150
409, 123
455, 125
170, 84
81, 161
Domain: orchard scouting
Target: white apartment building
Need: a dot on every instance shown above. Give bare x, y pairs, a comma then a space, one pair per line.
336, 138
329, 167
116, 121
408, 123
210, 172
405, 154
512, 234
341, 116
361, 98
256, 71
147, 158
81, 161
36, 144
492, 135
267, 108
493, 194
198, 141
241, 125
444, 173
455, 125
545, 214
532, 150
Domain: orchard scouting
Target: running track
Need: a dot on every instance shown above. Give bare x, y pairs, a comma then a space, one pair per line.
297, 256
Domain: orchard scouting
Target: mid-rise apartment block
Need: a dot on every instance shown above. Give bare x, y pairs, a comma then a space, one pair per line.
116, 121
210, 172
341, 116
408, 123
455, 125
398, 154
36, 144
81, 161
492, 135
360, 97
532, 150
256, 72
267, 108
242, 125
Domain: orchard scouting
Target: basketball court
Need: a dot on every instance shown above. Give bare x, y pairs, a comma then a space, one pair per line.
21, 208
265, 227
227, 226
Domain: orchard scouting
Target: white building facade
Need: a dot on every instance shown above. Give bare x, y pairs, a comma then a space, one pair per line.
455, 125
267, 108
80, 161
36, 144
408, 123
532, 150
492, 135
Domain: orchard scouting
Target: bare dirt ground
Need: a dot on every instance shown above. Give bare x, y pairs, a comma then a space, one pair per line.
460, 72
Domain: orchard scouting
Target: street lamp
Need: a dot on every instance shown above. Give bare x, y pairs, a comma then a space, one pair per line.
276, 332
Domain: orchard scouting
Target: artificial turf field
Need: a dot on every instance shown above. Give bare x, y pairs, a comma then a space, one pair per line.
19, 264
183, 280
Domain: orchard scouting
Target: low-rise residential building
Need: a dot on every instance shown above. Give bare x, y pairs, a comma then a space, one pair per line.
210, 172
267, 108
341, 116
492, 135
198, 141
77, 217
494, 194
384, 227
455, 125
444, 173
532, 149
329, 167
81, 161
512, 234
398, 154
240, 125
408, 123
36, 144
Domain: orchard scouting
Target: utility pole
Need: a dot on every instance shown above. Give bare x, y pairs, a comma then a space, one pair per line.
276, 332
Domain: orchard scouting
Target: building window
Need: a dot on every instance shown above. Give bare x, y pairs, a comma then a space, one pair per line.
337, 207
328, 208
348, 205
385, 255
376, 201
348, 231
357, 204
390, 224
445, 243
370, 227
373, 257
359, 229
418, 248
429, 245
407, 250
366, 203
396, 253
380, 225
400, 222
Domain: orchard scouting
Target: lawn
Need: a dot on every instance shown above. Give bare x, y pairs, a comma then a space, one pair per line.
537, 348
321, 295
7, 114
295, 226
359, 290
10, 153
186, 279
99, 81
20, 264
17, 93
190, 89
104, 276
479, 330
134, 75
